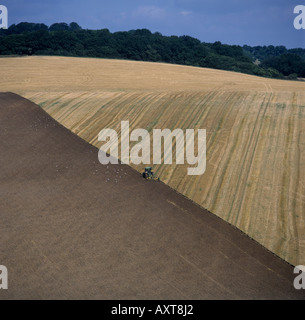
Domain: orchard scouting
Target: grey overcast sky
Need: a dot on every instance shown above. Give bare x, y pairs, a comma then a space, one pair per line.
252, 22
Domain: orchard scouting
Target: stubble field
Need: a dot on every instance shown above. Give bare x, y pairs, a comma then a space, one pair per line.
255, 176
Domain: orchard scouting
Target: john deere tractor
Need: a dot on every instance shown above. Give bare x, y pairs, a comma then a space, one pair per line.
149, 175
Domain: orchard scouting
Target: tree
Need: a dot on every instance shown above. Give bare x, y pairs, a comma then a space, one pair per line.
142, 44
62, 26
73, 26
288, 63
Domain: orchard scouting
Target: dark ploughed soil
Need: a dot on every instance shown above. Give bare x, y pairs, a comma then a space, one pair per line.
72, 228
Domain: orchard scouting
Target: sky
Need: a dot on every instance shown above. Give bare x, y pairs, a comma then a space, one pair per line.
240, 22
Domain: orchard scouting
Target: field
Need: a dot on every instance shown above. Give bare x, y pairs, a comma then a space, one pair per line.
255, 177
74, 229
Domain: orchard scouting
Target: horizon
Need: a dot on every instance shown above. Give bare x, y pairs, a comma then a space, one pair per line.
68, 23
232, 22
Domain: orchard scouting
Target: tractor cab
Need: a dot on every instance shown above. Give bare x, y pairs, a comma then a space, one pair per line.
149, 174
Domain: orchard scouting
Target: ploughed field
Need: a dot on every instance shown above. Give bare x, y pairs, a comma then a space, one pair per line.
255, 174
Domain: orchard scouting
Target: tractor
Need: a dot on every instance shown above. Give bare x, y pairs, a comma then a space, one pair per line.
149, 175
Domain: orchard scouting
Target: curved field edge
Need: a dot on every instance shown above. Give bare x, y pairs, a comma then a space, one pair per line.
255, 133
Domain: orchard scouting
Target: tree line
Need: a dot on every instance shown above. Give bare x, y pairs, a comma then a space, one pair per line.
62, 39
